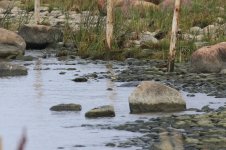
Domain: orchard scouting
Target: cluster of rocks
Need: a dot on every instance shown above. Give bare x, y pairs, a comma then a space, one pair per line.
198, 34
102, 111
13, 45
205, 131
12, 10
195, 34
212, 84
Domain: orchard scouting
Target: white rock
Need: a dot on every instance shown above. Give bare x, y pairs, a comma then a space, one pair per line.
188, 37
195, 30
210, 29
150, 96
199, 37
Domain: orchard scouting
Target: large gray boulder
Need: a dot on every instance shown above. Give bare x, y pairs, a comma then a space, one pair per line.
209, 59
11, 44
150, 96
7, 69
40, 36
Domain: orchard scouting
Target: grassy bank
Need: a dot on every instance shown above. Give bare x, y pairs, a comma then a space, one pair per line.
89, 38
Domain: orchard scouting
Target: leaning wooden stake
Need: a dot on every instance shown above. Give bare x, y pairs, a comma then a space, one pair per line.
172, 51
109, 23
37, 11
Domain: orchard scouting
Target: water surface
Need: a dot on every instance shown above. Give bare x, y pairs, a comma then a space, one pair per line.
25, 103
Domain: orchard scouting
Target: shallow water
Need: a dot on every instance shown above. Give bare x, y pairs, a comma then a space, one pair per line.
25, 103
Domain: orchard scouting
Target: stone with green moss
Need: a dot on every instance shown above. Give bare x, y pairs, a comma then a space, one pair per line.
103, 111
8, 69
66, 107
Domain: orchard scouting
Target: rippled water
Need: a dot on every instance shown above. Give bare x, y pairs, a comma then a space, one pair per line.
25, 103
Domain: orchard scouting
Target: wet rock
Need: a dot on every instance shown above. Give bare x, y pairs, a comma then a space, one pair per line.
110, 145
103, 111
40, 36
190, 95
11, 44
71, 69
206, 109
80, 79
109, 89
66, 107
130, 84
79, 146
193, 109
62, 73
209, 58
25, 58
60, 147
155, 97
7, 69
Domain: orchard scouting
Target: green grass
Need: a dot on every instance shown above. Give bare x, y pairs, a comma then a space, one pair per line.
90, 38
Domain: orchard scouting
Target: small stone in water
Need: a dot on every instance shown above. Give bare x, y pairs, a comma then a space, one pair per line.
62, 73
190, 95
79, 146
71, 69
110, 145
109, 89
66, 107
80, 79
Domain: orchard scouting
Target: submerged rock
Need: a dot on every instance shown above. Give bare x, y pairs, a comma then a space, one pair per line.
66, 107
103, 111
11, 44
80, 79
151, 96
209, 59
7, 69
40, 36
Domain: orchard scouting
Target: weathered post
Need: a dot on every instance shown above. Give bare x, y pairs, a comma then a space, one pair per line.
37, 11
172, 51
109, 24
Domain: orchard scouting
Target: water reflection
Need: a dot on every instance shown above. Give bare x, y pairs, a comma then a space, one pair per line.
38, 82
1, 148
110, 84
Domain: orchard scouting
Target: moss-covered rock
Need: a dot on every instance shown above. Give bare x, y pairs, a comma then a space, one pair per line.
66, 107
8, 69
103, 111
80, 79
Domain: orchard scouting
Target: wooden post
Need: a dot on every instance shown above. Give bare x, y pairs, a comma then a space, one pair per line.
172, 51
37, 11
109, 23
